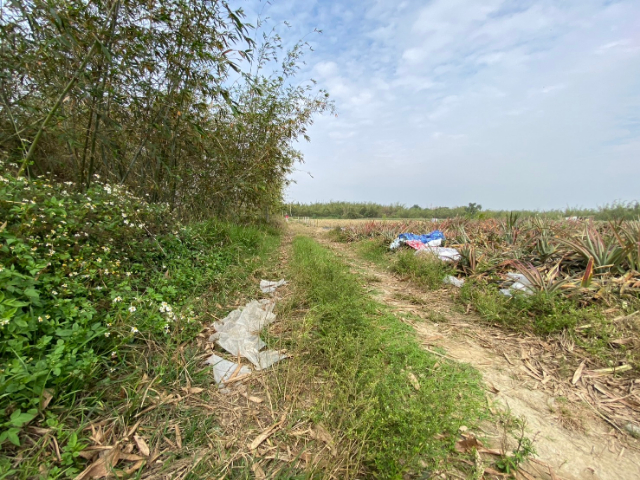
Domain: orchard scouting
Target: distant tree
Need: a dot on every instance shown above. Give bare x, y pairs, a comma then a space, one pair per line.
416, 206
472, 209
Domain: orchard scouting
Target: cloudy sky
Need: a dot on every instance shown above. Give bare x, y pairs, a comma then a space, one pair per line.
507, 103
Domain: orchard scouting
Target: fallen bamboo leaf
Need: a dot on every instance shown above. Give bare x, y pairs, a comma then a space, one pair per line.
143, 448
178, 436
134, 467
266, 433
578, 373
414, 381
320, 433
252, 398
103, 466
47, 396
258, 472
620, 369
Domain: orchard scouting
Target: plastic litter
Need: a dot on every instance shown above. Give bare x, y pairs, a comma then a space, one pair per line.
456, 282
269, 287
433, 239
443, 253
520, 284
238, 333
224, 369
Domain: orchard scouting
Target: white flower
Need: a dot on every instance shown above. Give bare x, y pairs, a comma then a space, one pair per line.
132, 309
107, 334
40, 319
117, 299
53, 292
128, 274
64, 285
134, 330
99, 260
113, 354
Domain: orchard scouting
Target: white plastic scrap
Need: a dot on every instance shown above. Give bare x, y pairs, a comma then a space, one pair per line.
443, 253
269, 287
456, 282
520, 284
238, 333
431, 243
224, 369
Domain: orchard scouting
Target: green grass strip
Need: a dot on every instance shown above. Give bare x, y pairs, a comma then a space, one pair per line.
399, 403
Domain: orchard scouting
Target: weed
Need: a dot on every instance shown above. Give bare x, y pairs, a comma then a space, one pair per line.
422, 269
524, 445
89, 282
393, 419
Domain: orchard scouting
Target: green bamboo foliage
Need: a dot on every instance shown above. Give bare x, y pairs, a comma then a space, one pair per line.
171, 99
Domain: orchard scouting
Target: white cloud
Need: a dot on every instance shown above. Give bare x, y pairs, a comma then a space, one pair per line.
516, 96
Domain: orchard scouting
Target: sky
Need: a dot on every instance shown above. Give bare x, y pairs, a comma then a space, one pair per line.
510, 104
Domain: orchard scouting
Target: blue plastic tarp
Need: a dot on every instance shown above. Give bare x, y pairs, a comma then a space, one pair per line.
434, 238
435, 235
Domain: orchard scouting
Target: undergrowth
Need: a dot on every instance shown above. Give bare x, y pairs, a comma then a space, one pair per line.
424, 270
399, 406
544, 313
88, 282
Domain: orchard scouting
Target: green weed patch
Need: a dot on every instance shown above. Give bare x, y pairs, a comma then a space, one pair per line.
89, 281
400, 405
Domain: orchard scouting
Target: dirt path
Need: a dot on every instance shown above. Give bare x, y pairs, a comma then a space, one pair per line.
569, 436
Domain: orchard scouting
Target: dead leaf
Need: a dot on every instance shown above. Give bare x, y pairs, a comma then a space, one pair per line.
178, 437
135, 467
414, 381
266, 433
578, 373
193, 390
252, 398
258, 472
468, 444
143, 448
47, 396
320, 433
102, 466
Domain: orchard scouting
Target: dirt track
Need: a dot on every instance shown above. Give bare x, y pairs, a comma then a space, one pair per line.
571, 441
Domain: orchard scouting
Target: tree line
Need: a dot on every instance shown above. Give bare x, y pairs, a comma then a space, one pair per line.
355, 210
183, 101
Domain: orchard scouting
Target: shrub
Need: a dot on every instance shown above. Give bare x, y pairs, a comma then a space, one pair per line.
83, 273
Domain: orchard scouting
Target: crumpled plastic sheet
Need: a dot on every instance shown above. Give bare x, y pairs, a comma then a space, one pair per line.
443, 253
224, 369
520, 284
269, 287
433, 239
238, 333
456, 282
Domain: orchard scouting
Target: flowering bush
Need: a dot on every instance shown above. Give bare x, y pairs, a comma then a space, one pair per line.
81, 273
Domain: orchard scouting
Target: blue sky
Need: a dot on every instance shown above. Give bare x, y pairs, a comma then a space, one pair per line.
511, 104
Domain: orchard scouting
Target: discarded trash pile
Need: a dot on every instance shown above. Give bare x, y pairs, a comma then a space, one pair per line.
580, 259
430, 243
239, 334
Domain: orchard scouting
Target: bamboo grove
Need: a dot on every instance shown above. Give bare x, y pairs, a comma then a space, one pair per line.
182, 101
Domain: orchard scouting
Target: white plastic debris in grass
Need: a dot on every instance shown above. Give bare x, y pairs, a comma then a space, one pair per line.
238, 333
223, 369
456, 282
443, 253
269, 287
520, 284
